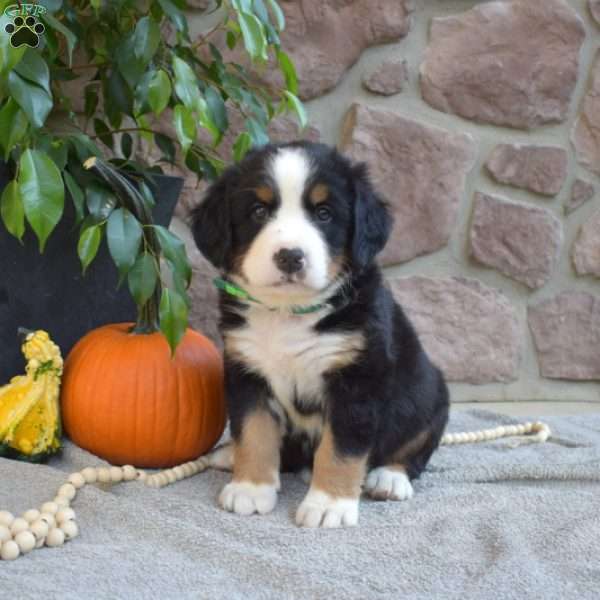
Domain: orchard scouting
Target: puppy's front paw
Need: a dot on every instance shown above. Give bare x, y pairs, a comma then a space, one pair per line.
319, 509
246, 498
388, 484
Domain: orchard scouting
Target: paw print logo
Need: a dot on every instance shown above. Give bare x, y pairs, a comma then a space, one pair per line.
25, 31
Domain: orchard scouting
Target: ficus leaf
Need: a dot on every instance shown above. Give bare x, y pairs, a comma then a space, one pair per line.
242, 144
142, 278
173, 314
296, 106
124, 236
146, 39
173, 250
43, 193
76, 194
100, 202
277, 13
89, 242
185, 126
34, 100
11, 210
33, 68
186, 83
13, 126
253, 34
69, 35
289, 72
159, 92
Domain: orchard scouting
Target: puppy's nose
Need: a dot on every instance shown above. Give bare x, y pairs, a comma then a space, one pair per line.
289, 260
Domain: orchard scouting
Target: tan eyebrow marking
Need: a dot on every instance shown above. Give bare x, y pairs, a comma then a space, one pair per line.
265, 193
319, 193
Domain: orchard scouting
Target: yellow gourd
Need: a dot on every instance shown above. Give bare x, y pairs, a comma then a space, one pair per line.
30, 426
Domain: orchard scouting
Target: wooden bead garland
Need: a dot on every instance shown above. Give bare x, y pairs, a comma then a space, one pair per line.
54, 523
538, 431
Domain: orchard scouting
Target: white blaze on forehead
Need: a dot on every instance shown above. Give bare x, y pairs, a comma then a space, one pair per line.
290, 169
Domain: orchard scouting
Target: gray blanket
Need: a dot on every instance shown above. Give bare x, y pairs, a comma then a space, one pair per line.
488, 520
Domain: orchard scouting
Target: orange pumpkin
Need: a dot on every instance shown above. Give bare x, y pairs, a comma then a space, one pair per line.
125, 399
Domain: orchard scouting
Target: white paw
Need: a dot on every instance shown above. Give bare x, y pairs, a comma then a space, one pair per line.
245, 498
388, 484
319, 509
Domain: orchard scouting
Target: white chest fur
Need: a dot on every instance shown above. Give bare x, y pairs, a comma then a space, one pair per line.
292, 356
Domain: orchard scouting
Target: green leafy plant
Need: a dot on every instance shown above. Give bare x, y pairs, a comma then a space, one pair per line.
137, 64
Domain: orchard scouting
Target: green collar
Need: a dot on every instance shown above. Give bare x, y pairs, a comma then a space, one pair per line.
234, 290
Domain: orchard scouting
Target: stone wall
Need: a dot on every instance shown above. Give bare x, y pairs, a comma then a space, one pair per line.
481, 124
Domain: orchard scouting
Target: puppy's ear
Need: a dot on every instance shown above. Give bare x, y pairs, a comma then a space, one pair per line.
211, 222
372, 220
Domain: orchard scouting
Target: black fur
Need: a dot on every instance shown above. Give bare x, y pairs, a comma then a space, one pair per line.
393, 392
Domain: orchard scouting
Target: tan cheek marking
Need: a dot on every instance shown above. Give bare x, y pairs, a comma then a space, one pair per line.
265, 193
338, 476
410, 448
336, 266
256, 453
319, 193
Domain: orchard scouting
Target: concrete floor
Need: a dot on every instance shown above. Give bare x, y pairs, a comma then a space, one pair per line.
533, 408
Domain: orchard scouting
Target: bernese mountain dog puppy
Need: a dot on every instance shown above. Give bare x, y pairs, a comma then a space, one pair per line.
323, 370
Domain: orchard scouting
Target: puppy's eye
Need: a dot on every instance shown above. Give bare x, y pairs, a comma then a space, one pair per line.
260, 212
323, 213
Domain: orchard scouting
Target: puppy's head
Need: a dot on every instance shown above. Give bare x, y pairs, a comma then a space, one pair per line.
290, 220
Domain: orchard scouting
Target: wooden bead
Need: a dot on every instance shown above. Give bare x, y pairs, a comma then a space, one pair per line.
10, 550
129, 473
55, 537
77, 480
65, 514
170, 475
5, 534
142, 475
116, 474
103, 475
6, 518
89, 474
39, 528
40, 542
49, 508
26, 541
67, 490
49, 519
62, 502
70, 529
31, 515
19, 525
179, 474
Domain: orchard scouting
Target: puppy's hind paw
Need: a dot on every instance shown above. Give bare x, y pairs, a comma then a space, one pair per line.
319, 509
388, 484
246, 498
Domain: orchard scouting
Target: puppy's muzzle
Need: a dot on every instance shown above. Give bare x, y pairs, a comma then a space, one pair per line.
289, 260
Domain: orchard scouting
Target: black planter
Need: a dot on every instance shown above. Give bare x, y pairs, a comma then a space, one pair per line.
47, 291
